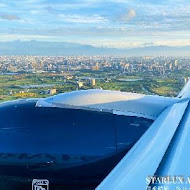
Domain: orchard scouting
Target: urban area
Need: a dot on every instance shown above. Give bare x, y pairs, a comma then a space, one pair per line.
42, 76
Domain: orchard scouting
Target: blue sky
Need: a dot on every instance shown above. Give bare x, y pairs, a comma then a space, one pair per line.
113, 23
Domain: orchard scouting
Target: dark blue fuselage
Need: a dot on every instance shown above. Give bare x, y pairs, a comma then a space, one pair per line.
63, 145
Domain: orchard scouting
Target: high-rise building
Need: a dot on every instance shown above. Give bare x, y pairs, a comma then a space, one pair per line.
96, 67
170, 66
92, 82
51, 91
175, 63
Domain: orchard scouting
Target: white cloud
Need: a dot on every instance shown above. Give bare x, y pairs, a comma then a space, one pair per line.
123, 42
131, 43
10, 37
83, 19
131, 13
174, 42
34, 12
33, 1
2, 5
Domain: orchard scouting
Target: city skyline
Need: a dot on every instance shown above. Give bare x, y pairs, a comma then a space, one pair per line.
113, 24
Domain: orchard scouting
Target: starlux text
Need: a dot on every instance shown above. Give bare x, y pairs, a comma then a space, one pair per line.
168, 180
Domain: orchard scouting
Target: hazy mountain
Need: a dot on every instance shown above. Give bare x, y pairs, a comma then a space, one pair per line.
64, 48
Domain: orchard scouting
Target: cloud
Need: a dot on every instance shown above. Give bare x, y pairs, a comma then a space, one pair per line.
9, 17
131, 13
2, 5
123, 23
10, 37
83, 19
34, 12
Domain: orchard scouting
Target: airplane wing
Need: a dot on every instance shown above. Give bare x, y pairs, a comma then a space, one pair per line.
160, 151
185, 92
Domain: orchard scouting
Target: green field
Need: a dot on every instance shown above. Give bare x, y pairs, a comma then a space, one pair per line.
14, 86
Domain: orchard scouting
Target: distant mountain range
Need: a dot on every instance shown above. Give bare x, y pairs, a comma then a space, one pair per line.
65, 48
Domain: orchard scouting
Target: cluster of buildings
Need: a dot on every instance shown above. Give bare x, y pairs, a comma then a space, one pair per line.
35, 64
47, 63
86, 80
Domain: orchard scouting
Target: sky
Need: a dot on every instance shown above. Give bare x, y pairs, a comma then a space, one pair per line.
100, 23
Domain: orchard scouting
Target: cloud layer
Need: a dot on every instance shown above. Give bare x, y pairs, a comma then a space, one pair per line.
113, 23
9, 17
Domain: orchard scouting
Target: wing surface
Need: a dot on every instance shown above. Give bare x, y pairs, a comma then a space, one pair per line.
145, 156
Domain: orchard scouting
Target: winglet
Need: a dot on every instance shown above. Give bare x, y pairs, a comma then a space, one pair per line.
185, 92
